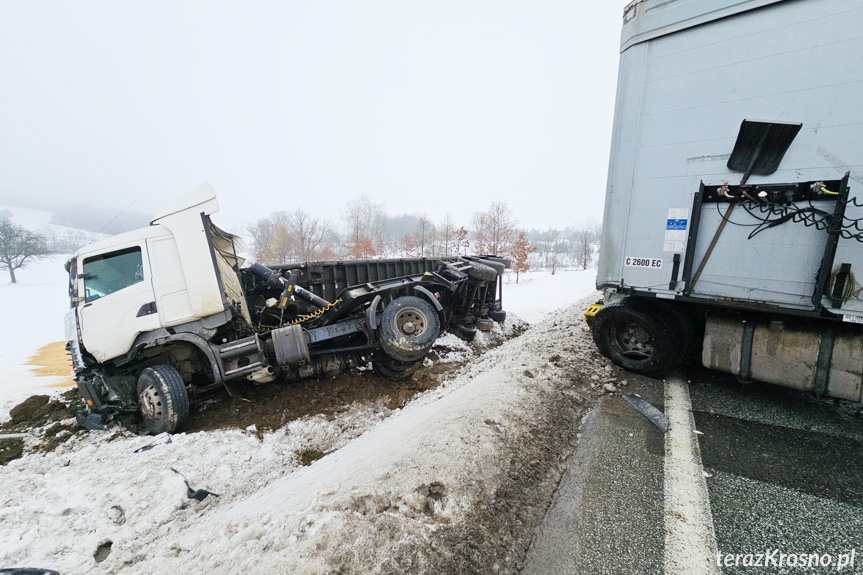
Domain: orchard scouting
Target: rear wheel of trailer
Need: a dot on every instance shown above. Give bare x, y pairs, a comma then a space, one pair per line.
640, 336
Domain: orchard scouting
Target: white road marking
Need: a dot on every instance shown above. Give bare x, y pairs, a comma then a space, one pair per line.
690, 541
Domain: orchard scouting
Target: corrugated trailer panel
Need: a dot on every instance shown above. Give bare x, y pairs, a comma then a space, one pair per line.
680, 103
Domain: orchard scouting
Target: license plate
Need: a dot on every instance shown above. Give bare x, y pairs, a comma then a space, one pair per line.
653, 263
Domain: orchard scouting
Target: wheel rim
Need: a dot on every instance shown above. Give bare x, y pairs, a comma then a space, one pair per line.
410, 322
631, 340
151, 402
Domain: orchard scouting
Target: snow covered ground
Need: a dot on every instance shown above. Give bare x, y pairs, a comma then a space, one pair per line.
538, 295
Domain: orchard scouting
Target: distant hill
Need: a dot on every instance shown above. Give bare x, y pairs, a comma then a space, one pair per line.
61, 239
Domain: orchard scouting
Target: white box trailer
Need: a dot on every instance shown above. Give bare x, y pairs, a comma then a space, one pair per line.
731, 215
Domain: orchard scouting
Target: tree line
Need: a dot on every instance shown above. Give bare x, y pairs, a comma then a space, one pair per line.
364, 230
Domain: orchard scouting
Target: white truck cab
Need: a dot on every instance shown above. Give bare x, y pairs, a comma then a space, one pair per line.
179, 269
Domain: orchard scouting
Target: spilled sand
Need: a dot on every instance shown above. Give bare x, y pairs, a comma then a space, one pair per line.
52, 361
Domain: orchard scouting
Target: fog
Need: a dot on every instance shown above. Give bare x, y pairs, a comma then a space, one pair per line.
435, 107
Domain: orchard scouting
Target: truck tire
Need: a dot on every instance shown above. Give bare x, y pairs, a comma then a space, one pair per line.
393, 369
163, 399
481, 272
497, 315
496, 266
638, 337
688, 346
409, 328
464, 332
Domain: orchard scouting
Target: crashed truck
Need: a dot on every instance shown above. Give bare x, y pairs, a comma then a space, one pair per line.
732, 226
162, 315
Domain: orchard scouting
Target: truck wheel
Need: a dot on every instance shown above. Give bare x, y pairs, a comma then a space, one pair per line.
496, 266
409, 328
687, 347
637, 337
163, 399
497, 315
393, 369
465, 332
481, 272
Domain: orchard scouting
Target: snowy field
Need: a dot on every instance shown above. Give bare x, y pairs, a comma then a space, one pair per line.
538, 295
32, 312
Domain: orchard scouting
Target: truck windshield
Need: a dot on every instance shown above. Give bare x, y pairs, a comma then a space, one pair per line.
107, 273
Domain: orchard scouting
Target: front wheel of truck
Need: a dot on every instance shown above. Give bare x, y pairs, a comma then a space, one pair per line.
163, 399
638, 337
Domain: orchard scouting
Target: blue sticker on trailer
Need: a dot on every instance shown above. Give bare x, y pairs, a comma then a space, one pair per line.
675, 225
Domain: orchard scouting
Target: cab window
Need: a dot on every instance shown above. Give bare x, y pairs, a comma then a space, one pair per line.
107, 273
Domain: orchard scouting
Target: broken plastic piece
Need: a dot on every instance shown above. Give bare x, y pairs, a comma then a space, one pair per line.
90, 421
161, 439
196, 494
655, 416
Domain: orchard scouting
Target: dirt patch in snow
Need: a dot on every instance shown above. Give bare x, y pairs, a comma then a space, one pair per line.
40, 410
46, 420
270, 406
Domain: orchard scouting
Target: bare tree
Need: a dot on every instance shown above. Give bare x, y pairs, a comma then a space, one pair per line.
424, 233
479, 235
19, 246
446, 234
494, 231
52, 239
306, 234
74, 239
583, 242
364, 220
263, 234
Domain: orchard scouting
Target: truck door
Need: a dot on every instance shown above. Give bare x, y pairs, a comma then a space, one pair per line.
118, 301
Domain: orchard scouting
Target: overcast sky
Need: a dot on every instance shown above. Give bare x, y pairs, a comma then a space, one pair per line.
426, 106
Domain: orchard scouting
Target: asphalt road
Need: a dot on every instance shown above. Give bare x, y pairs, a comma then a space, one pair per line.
783, 473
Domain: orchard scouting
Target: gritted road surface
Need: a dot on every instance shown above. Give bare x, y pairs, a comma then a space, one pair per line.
756, 470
